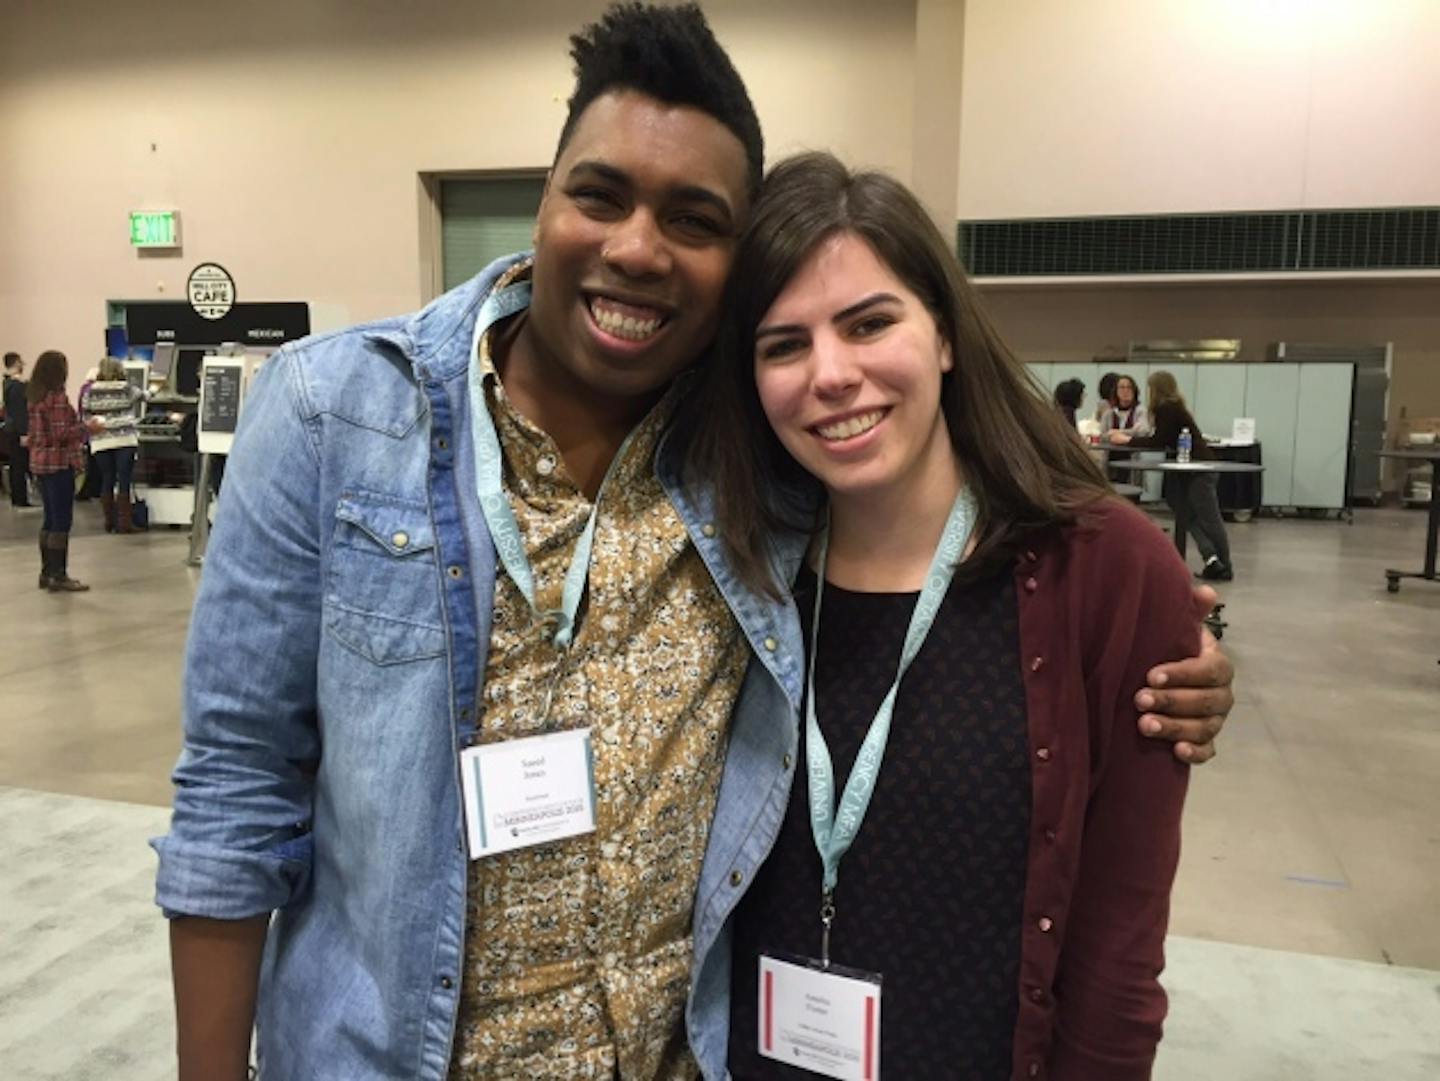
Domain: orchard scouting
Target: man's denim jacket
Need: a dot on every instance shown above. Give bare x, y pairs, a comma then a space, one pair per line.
334, 670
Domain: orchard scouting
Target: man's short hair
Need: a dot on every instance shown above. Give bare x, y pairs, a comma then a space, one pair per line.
669, 54
12, 360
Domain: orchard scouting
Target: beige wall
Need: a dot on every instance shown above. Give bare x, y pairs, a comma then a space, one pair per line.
290, 134
1138, 106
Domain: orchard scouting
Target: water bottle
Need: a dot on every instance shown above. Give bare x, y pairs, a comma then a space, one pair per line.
1184, 446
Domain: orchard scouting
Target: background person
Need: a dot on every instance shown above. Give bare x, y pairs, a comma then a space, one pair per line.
1171, 416
111, 406
1106, 394
17, 423
1004, 777
57, 452
1124, 411
1069, 397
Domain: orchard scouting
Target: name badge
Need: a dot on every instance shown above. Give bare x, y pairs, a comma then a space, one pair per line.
826, 1021
524, 792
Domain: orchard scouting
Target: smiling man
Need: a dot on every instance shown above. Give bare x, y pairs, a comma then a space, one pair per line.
465, 649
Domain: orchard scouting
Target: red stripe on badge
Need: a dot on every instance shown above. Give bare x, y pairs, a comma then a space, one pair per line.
769, 1024
869, 1039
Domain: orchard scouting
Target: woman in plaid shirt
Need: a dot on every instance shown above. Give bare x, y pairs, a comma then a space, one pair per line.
57, 442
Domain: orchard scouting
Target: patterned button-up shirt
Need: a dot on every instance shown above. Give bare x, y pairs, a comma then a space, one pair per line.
578, 951
57, 438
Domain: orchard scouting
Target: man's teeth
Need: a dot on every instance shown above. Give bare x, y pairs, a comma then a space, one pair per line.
849, 429
624, 326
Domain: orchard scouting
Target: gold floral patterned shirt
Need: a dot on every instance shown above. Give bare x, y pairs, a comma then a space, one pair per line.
577, 952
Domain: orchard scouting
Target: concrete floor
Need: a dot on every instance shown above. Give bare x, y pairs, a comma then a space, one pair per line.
1305, 939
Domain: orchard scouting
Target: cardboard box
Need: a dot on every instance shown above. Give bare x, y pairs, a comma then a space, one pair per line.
1406, 425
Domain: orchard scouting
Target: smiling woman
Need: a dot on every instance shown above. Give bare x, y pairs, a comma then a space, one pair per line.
969, 740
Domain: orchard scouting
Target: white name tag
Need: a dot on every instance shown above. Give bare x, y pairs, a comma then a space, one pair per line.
827, 1022
525, 792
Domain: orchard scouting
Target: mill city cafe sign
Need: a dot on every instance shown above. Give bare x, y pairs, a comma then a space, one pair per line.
211, 290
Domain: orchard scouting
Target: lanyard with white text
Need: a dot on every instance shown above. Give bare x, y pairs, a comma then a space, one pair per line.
834, 829
495, 504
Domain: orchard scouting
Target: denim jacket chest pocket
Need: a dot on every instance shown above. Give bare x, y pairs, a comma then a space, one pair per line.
382, 593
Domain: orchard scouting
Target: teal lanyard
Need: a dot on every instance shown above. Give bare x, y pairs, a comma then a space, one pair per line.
495, 504
834, 829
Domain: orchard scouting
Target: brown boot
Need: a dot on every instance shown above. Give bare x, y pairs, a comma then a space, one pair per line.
107, 504
47, 560
60, 580
125, 516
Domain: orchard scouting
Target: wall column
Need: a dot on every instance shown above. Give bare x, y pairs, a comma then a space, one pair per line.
935, 150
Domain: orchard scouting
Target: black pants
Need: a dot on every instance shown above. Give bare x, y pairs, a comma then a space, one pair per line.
19, 472
1197, 495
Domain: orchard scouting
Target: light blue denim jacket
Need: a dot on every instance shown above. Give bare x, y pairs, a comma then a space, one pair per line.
333, 671
754, 792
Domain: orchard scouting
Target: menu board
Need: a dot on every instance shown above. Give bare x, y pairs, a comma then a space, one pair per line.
220, 387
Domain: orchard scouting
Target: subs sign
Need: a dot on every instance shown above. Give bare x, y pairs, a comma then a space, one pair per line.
211, 291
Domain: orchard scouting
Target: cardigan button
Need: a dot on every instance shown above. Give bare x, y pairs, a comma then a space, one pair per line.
1030, 556
1034, 1070
1031, 585
1045, 924
1037, 995
1037, 663
1043, 753
1049, 836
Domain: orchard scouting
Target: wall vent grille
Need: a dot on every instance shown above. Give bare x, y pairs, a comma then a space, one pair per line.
1268, 242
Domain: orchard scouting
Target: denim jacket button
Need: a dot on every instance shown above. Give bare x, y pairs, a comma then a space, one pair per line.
771, 645
736, 878
446, 982
400, 540
786, 761
454, 571
708, 529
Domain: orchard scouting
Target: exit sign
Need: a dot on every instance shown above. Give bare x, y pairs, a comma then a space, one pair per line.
154, 228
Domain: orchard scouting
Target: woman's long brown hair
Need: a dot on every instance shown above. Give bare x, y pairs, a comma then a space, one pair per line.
51, 371
1026, 468
1163, 390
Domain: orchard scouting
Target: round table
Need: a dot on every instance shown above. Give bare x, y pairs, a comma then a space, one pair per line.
1182, 516
1432, 528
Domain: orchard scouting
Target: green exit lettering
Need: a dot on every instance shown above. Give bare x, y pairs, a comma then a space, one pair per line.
152, 229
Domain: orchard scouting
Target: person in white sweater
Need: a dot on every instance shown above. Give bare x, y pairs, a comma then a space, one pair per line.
1125, 412
115, 404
